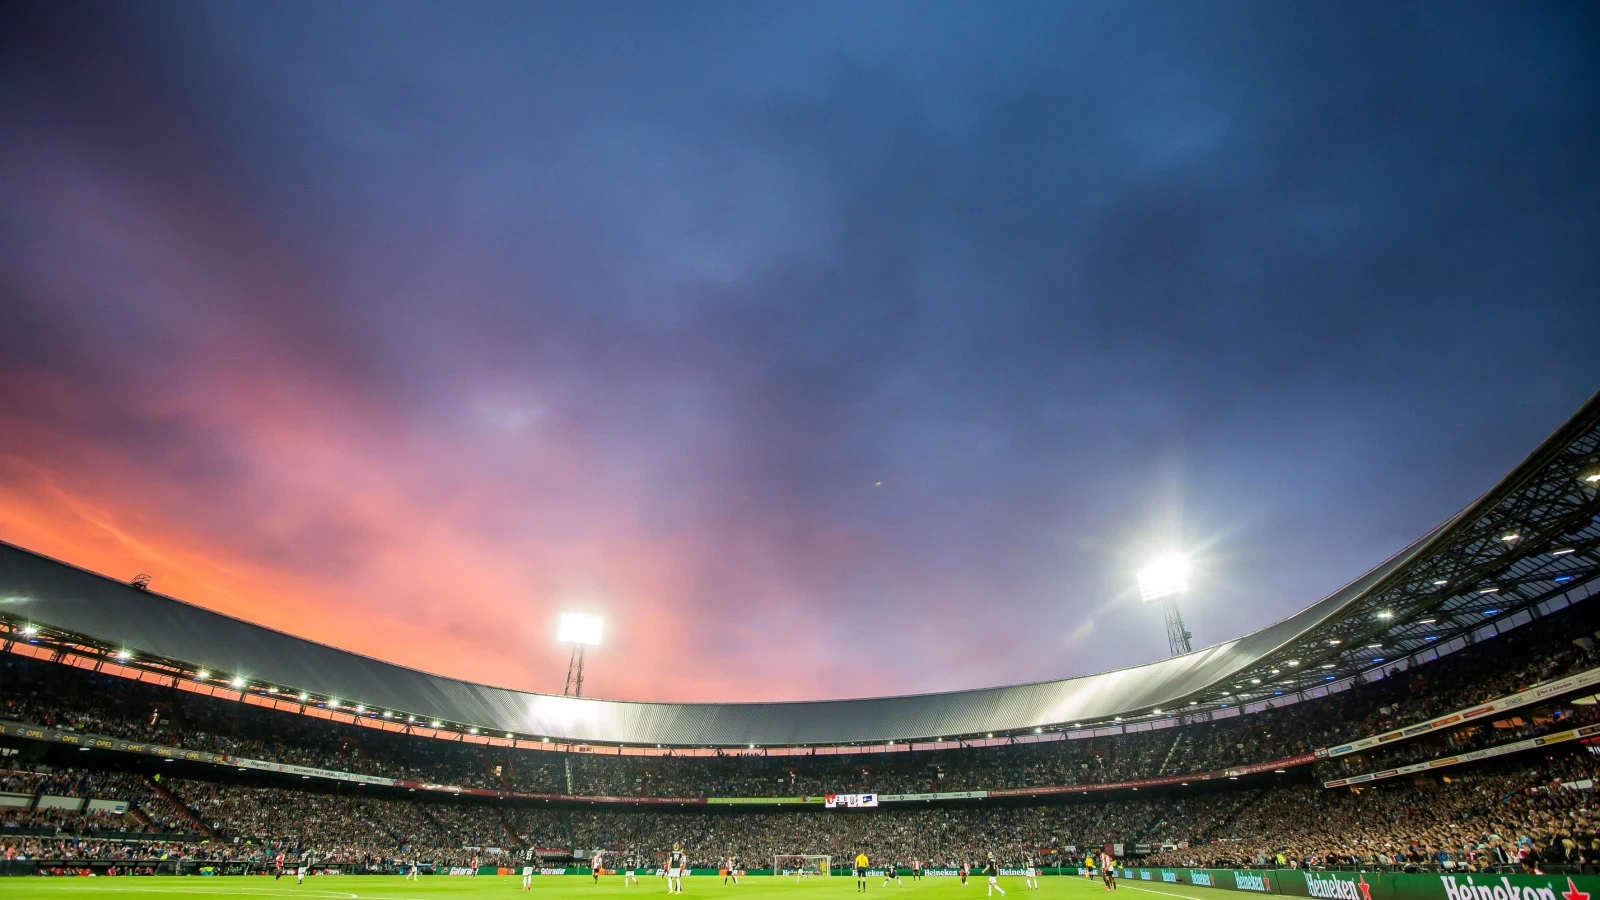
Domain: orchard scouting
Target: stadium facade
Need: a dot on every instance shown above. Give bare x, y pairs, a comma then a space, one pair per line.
1528, 543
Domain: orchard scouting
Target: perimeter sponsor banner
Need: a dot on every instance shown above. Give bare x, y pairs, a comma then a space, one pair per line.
264, 766
1474, 756
1542, 691
761, 801
941, 795
1235, 772
1382, 886
79, 739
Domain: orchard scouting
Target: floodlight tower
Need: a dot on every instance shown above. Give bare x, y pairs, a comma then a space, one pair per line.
580, 631
1166, 578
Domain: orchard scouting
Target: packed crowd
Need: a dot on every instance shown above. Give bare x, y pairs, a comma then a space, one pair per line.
147, 809
343, 827
1534, 815
1537, 813
66, 697
1517, 726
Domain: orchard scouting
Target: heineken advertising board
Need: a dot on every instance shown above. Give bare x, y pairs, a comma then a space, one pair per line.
1378, 886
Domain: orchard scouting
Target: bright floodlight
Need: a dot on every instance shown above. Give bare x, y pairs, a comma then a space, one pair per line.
579, 629
1165, 576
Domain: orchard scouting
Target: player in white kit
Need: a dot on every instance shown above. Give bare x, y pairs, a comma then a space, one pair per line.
1032, 881
632, 867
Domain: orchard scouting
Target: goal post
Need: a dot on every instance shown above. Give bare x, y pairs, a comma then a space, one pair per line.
800, 864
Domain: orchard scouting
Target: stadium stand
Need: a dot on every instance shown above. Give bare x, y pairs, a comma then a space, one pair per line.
1436, 714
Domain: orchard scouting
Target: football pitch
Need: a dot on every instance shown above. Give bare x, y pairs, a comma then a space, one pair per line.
440, 887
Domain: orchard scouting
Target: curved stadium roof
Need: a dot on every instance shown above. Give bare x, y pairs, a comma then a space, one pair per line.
1530, 539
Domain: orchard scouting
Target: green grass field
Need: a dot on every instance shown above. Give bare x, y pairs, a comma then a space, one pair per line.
441, 887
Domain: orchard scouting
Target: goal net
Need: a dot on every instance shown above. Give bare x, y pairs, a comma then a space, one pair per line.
801, 864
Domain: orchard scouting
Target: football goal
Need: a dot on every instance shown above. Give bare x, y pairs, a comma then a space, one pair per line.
801, 864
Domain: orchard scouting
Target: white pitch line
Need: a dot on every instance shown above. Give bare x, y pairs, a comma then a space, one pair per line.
1152, 891
239, 891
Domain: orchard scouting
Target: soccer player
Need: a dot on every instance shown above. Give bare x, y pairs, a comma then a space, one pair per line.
1088, 865
891, 872
966, 866
596, 865
1032, 882
527, 877
733, 871
1108, 870
676, 863
305, 866
861, 871
993, 871
916, 870
632, 867
277, 871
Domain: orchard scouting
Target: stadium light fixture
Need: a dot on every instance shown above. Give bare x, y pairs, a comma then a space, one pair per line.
1386, 615
333, 704
1441, 582
202, 675
473, 730
436, 723
1334, 642
388, 714
579, 629
1590, 475
1489, 590
304, 696
1426, 621
1255, 681
1562, 552
1166, 578
123, 655
1294, 662
29, 630
238, 682
361, 707
411, 718
1511, 537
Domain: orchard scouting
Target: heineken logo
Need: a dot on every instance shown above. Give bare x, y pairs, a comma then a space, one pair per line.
1335, 888
1201, 878
1246, 881
1490, 889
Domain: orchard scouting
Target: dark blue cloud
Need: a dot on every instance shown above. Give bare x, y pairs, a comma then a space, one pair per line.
916, 319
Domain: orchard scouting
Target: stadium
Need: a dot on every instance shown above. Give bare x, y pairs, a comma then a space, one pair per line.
1428, 730
858, 402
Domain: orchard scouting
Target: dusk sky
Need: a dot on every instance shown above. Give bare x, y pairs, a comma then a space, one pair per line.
824, 349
